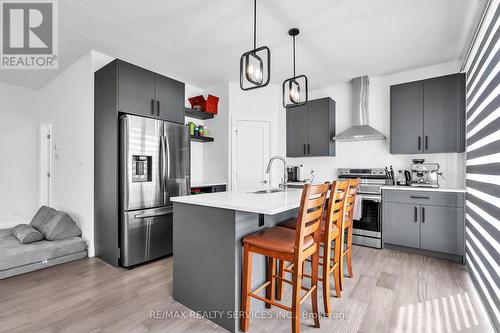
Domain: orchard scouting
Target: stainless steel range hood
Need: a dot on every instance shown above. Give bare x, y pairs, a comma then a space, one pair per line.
360, 129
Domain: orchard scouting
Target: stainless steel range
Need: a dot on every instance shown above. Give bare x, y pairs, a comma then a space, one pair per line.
367, 230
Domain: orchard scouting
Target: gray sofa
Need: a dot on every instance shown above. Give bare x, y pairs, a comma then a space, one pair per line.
65, 244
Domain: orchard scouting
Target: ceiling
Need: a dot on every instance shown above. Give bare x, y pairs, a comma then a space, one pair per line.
200, 42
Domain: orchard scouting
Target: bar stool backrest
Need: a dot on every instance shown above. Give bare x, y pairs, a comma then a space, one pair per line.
351, 199
311, 208
336, 204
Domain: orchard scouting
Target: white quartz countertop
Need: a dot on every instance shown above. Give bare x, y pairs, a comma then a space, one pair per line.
413, 188
245, 201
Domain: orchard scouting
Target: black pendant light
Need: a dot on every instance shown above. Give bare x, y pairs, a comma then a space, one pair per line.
254, 71
295, 88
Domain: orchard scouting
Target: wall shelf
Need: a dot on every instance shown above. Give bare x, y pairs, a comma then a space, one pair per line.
198, 138
192, 113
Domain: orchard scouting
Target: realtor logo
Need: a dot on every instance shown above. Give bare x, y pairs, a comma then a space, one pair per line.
29, 34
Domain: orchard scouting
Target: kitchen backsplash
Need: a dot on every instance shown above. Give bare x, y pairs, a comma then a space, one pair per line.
374, 154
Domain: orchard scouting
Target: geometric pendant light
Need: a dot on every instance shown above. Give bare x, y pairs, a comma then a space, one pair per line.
255, 65
295, 92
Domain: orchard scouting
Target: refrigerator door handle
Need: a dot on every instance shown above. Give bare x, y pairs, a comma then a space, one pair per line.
161, 162
144, 216
164, 165
167, 149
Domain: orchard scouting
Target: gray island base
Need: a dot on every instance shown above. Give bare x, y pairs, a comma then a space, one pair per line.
208, 249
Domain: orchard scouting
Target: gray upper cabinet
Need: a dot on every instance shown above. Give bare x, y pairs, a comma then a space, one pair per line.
296, 131
136, 90
148, 94
321, 127
427, 116
170, 99
310, 129
407, 118
444, 114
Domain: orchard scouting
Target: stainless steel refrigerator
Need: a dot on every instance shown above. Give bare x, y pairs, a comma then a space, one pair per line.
154, 166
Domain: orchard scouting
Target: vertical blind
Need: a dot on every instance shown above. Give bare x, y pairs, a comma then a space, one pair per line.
483, 161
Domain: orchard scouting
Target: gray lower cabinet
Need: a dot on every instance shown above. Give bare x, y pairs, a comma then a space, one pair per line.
425, 220
401, 224
310, 129
441, 229
428, 116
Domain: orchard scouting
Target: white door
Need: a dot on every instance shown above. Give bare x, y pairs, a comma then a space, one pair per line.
45, 164
250, 153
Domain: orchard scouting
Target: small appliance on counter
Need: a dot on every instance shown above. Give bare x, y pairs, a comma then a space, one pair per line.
425, 174
291, 173
295, 174
404, 178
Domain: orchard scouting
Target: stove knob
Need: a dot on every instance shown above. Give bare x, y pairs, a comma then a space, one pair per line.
374, 172
380, 171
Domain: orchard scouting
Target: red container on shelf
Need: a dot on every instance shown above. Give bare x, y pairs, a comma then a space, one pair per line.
210, 105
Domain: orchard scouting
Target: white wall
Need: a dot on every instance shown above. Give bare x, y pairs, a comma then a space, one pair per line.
215, 154
197, 148
376, 153
19, 152
263, 102
67, 102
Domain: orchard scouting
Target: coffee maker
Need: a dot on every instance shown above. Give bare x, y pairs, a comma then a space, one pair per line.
425, 174
293, 173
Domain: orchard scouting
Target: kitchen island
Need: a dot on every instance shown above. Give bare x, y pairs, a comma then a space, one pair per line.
208, 229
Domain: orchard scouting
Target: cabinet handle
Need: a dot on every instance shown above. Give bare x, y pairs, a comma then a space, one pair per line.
305, 150
419, 142
419, 197
416, 214
308, 149
153, 107
158, 107
423, 215
426, 142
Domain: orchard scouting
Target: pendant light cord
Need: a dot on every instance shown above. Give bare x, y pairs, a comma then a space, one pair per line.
254, 24
293, 56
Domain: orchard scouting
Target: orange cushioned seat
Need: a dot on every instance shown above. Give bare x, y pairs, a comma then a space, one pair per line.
277, 239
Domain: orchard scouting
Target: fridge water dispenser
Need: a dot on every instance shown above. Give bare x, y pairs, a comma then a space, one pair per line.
141, 168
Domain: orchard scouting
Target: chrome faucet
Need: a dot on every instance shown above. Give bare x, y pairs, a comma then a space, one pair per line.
284, 185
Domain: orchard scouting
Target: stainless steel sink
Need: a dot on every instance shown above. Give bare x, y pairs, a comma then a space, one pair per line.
270, 190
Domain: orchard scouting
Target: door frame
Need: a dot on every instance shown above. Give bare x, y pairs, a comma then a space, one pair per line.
45, 166
234, 122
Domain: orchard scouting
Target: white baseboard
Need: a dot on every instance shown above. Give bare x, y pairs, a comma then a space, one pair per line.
4, 225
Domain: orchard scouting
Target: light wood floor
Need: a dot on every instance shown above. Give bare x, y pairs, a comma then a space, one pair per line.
391, 292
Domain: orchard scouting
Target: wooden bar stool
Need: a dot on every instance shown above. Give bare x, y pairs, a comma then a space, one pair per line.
331, 238
348, 224
278, 243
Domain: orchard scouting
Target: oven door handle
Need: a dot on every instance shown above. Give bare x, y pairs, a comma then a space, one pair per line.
375, 198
